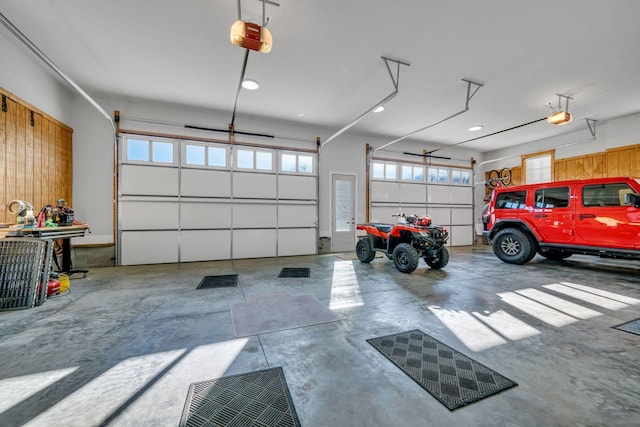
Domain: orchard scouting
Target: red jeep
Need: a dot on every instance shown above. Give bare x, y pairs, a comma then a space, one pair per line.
599, 216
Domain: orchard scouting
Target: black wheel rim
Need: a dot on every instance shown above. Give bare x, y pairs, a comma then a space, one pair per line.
402, 259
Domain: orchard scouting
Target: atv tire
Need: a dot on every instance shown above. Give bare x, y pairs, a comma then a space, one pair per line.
405, 258
439, 261
513, 246
364, 250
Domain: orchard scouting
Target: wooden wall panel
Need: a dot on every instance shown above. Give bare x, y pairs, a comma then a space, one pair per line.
35, 157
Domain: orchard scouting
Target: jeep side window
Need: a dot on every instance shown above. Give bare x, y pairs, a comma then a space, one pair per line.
605, 194
511, 200
556, 197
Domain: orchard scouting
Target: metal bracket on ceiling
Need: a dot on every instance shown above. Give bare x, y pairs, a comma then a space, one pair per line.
265, 21
591, 124
396, 82
470, 95
566, 106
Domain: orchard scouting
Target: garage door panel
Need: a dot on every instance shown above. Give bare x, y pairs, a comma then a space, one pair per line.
300, 241
383, 214
385, 191
413, 193
461, 216
254, 185
461, 235
205, 215
149, 180
439, 216
461, 195
297, 187
254, 216
205, 245
439, 194
254, 243
205, 183
141, 215
149, 247
297, 216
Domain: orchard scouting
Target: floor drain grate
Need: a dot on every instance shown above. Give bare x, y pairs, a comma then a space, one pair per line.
221, 281
295, 272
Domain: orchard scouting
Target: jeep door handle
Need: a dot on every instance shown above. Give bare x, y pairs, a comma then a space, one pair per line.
583, 216
540, 216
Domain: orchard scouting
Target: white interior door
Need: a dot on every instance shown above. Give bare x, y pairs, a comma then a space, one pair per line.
343, 234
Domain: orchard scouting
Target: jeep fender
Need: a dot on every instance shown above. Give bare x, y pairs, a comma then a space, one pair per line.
513, 223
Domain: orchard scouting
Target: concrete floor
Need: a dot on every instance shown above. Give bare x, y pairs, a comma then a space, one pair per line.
123, 347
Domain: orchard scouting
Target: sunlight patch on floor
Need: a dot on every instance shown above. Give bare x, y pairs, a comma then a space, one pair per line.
539, 311
96, 400
15, 390
507, 325
475, 335
169, 393
559, 304
345, 289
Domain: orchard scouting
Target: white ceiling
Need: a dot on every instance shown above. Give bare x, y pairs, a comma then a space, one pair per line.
326, 60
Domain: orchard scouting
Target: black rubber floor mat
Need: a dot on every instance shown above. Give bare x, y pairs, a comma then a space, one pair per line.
221, 281
259, 398
448, 375
295, 272
632, 327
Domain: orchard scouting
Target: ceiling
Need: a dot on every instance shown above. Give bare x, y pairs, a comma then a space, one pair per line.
325, 67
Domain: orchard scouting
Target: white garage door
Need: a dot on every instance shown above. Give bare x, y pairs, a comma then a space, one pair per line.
443, 193
182, 201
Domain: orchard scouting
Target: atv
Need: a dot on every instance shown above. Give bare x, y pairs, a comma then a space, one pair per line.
404, 243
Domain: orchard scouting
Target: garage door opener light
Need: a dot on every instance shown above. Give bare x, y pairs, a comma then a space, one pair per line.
559, 116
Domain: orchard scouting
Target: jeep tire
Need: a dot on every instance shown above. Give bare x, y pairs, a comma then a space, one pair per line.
364, 250
405, 258
513, 246
440, 260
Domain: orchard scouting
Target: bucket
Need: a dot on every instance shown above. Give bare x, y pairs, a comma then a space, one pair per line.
65, 285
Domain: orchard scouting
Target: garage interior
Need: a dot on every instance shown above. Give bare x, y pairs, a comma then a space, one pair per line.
136, 116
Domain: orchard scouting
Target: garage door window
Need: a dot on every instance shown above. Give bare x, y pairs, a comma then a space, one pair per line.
141, 150
438, 175
460, 177
412, 173
296, 163
385, 171
201, 155
252, 159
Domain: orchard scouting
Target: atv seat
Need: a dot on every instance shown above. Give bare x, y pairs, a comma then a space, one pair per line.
385, 228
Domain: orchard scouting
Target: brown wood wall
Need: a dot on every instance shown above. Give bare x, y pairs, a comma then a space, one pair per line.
36, 163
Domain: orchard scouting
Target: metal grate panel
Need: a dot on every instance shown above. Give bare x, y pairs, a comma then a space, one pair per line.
24, 263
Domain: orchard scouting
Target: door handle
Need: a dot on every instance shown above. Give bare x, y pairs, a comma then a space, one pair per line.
540, 216
583, 216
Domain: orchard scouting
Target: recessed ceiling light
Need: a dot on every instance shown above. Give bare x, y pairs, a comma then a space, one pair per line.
300, 114
379, 108
250, 84
475, 128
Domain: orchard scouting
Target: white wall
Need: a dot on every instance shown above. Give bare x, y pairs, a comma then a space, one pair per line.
23, 75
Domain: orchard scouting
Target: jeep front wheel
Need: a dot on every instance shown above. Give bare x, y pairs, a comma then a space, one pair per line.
438, 261
364, 251
405, 258
513, 246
